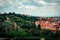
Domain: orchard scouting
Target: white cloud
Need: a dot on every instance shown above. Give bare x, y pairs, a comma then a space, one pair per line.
16, 6
11, 2
46, 3
26, 7
53, 3
41, 2
30, 7
2, 2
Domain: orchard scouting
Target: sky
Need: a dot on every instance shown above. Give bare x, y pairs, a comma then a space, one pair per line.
31, 7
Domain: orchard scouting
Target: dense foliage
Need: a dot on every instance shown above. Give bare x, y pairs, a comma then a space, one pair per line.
22, 26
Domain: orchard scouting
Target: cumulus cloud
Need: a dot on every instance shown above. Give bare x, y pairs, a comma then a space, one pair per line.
31, 7
41, 2
55, 2
2, 2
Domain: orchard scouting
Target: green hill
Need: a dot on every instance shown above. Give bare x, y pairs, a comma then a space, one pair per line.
22, 26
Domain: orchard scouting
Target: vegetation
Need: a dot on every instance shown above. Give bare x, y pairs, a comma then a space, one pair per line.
22, 26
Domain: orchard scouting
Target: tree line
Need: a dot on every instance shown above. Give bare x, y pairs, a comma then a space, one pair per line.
17, 26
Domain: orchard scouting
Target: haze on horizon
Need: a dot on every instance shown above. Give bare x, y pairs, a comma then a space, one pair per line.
31, 7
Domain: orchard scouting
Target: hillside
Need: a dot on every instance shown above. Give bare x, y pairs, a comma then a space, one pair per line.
22, 26
12, 22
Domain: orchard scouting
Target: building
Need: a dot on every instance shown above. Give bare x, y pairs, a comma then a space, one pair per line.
50, 24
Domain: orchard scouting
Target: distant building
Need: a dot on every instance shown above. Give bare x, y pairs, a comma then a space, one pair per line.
46, 24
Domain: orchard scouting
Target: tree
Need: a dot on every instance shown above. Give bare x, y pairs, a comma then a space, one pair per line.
6, 24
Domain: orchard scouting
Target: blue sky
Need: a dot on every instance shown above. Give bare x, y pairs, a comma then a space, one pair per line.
31, 7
